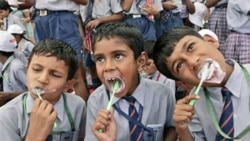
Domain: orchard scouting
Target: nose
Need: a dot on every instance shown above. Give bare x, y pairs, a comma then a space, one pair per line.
192, 62
109, 65
44, 78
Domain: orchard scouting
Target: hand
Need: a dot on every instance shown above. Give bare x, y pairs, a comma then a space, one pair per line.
25, 20
93, 24
3, 98
106, 122
41, 121
183, 112
150, 9
169, 5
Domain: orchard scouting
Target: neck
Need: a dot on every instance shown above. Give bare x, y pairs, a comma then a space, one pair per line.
229, 70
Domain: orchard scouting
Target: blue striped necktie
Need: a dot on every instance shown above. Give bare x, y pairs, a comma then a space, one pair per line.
135, 131
226, 120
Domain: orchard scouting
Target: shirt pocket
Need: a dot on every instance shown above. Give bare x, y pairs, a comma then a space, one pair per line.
150, 134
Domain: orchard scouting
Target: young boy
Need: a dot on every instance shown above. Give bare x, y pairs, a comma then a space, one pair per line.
182, 54
13, 73
31, 115
119, 55
151, 70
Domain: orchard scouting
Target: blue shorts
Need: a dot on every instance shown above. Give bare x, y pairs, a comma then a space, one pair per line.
61, 25
144, 25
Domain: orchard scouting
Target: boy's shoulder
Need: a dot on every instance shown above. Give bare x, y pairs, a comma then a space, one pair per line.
73, 99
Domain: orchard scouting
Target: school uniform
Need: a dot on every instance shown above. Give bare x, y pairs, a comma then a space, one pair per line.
56, 19
168, 19
14, 119
238, 41
12, 19
14, 75
100, 9
154, 100
201, 125
217, 22
140, 20
157, 76
26, 47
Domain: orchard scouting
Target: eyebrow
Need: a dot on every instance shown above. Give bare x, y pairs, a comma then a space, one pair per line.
183, 48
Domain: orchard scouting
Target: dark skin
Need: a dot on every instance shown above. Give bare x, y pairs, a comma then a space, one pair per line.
7, 96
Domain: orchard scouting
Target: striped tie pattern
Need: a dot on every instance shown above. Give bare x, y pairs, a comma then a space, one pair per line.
226, 121
135, 131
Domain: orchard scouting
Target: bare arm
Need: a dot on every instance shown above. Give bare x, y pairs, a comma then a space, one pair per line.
7, 96
190, 6
83, 2
96, 22
126, 5
170, 134
211, 3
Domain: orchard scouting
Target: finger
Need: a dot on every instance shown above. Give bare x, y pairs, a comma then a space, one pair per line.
187, 98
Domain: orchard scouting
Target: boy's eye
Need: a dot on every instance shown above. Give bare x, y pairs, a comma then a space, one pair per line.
56, 74
190, 47
118, 56
99, 59
179, 66
36, 69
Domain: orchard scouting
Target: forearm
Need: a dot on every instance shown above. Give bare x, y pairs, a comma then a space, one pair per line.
112, 18
83, 2
126, 5
211, 3
184, 135
170, 134
190, 6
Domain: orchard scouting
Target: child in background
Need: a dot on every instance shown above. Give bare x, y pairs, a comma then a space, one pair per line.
170, 16
151, 70
24, 45
197, 12
136, 13
118, 52
238, 40
50, 70
8, 18
96, 14
182, 54
13, 72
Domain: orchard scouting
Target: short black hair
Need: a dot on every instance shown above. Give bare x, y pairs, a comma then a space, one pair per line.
165, 45
5, 5
60, 50
127, 33
149, 47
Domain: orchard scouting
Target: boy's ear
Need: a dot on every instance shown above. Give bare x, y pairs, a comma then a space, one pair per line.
141, 61
211, 40
69, 85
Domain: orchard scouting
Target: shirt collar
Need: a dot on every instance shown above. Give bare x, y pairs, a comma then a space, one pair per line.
9, 60
138, 94
58, 107
234, 82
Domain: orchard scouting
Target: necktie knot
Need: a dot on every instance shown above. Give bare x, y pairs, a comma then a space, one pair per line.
130, 99
225, 92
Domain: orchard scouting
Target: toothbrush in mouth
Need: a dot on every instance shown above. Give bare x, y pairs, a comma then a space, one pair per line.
115, 87
38, 92
203, 77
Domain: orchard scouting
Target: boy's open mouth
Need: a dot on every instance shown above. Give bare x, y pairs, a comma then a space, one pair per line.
111, 81
215, 73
